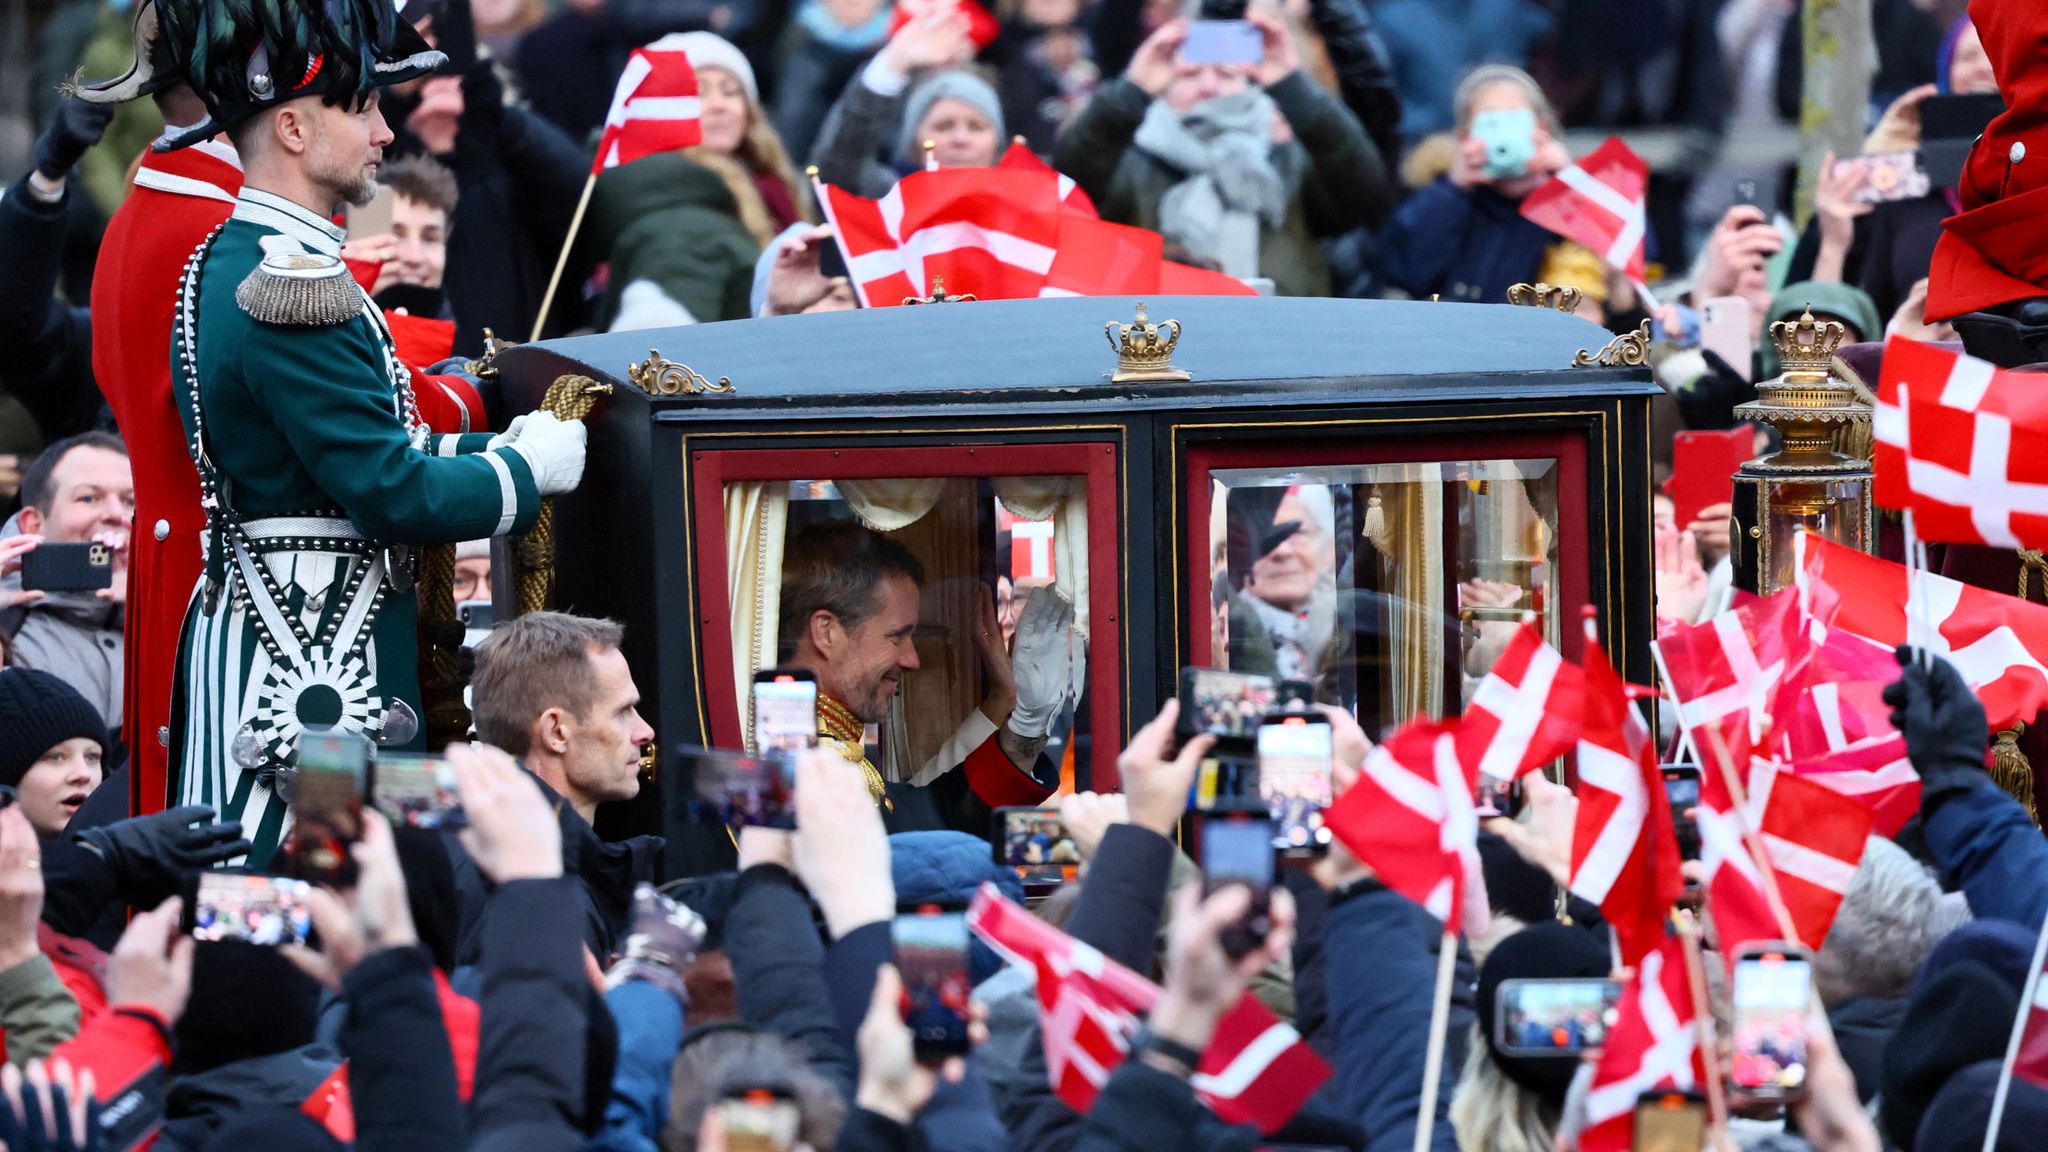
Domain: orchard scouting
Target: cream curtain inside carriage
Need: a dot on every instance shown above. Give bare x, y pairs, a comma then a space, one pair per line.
757, 526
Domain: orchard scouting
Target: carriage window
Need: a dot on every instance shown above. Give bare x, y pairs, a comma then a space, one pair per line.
1391, 587
987, 548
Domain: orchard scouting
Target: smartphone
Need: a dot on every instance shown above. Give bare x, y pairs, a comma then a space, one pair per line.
744, 791
931, 954
1237, 848
85, 567
327, 806
264, 910
1509, 137
1724, 331
415, 791
1496, 797
1670, 1122
1703, 468
1294, 779
1682, 789
785, 711
1554, 1017
1032, 837
1885, 177
1226, 705
374, 218
1772, 991
759, 1120
1222, 42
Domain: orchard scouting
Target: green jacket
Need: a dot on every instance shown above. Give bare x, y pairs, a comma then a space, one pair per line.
670, 225
1344, 183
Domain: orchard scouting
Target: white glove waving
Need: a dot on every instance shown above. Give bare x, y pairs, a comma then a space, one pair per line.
1042, 661
553, 450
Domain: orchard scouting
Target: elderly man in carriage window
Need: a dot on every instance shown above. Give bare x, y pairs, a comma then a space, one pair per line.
849, 613
1283, 618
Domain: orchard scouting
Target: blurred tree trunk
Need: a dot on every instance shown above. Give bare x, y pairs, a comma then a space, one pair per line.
1840, 58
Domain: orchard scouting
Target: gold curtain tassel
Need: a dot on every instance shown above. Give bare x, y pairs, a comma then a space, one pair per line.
2011, 771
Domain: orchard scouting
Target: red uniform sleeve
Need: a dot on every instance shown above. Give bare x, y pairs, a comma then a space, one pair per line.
448, 404
999, 783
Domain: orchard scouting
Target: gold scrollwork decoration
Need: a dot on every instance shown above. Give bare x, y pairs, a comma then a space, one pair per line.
657, 376
1561, 297
1628, 350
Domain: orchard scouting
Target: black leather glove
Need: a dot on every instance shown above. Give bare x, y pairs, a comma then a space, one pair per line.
77, 126
1944, 726
151, 855
28, 1128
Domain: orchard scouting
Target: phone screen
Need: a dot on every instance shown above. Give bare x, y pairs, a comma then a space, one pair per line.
265, 910
1670, 1122
1227, 705
327, 806
1771, 995
1238, 849
745, 791
931, 953
414, 791
1554, 1017
1032, 837
1222, 42
1294, 780
785, 713
759, 1121
1682, 790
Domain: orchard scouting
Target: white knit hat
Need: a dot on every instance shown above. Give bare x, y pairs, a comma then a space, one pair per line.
707, 50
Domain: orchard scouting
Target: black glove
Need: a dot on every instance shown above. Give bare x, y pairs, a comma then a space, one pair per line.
151, 855
26, 1129
1944, 726
77, 126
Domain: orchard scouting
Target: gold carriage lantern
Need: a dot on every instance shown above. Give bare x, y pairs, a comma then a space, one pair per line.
1819, 479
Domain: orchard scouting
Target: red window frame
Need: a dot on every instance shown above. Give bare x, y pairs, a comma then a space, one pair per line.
1566, 447
712, 469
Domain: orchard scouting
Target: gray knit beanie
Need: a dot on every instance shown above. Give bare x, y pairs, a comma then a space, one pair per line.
957, 84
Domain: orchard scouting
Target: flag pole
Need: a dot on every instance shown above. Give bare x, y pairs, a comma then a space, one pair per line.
2012, 1046
860, 291
1703, 1013
1433, 1063
1750, 837
562, 260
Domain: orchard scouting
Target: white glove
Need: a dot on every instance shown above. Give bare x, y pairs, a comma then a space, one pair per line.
1042, 661
553, 450
508, 436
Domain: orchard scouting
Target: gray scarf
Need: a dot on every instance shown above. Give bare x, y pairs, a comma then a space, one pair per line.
1236, 182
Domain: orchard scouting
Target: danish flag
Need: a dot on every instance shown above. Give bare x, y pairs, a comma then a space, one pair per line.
1963, 446
1724, 672
1256, 1070
1624, 847
654, 108
1410, 818
1999, 643
1653, 1045
1600, 202
1831, 725
1527, 712
1073, 201
1875, 773
1813, 838
987, 232
1098, 258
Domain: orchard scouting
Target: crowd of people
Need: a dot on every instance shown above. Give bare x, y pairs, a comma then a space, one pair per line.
213, 383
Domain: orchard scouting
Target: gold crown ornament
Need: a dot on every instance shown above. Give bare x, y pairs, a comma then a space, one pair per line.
1808, 347
1561, 297
1144, 350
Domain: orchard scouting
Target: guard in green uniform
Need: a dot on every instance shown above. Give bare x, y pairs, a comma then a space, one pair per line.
317, 477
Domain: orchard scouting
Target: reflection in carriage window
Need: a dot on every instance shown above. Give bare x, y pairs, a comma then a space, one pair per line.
945, 619
1391, 587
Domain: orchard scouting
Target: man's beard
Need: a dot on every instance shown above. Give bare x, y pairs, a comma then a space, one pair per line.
873, 706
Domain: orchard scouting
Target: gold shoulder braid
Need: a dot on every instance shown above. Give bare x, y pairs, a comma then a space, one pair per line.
303, 289
840, 731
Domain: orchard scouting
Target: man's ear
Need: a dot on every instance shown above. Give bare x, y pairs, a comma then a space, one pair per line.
552, 731
292, 125
30, 520
824, 632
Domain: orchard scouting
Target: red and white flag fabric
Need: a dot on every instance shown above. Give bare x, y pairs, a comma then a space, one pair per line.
1098, 258
1527, 712
873, 261
1257, 1070
1724, 672
1653, 1045
654, 108
1875, 773
1963, 446
1813, 838
1073, 201
1177, 279
1410, 818
1624, 847
1601, 202
988, 232
1999, 643
1831, 697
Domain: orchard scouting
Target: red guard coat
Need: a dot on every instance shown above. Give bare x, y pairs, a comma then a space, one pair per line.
178, 199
